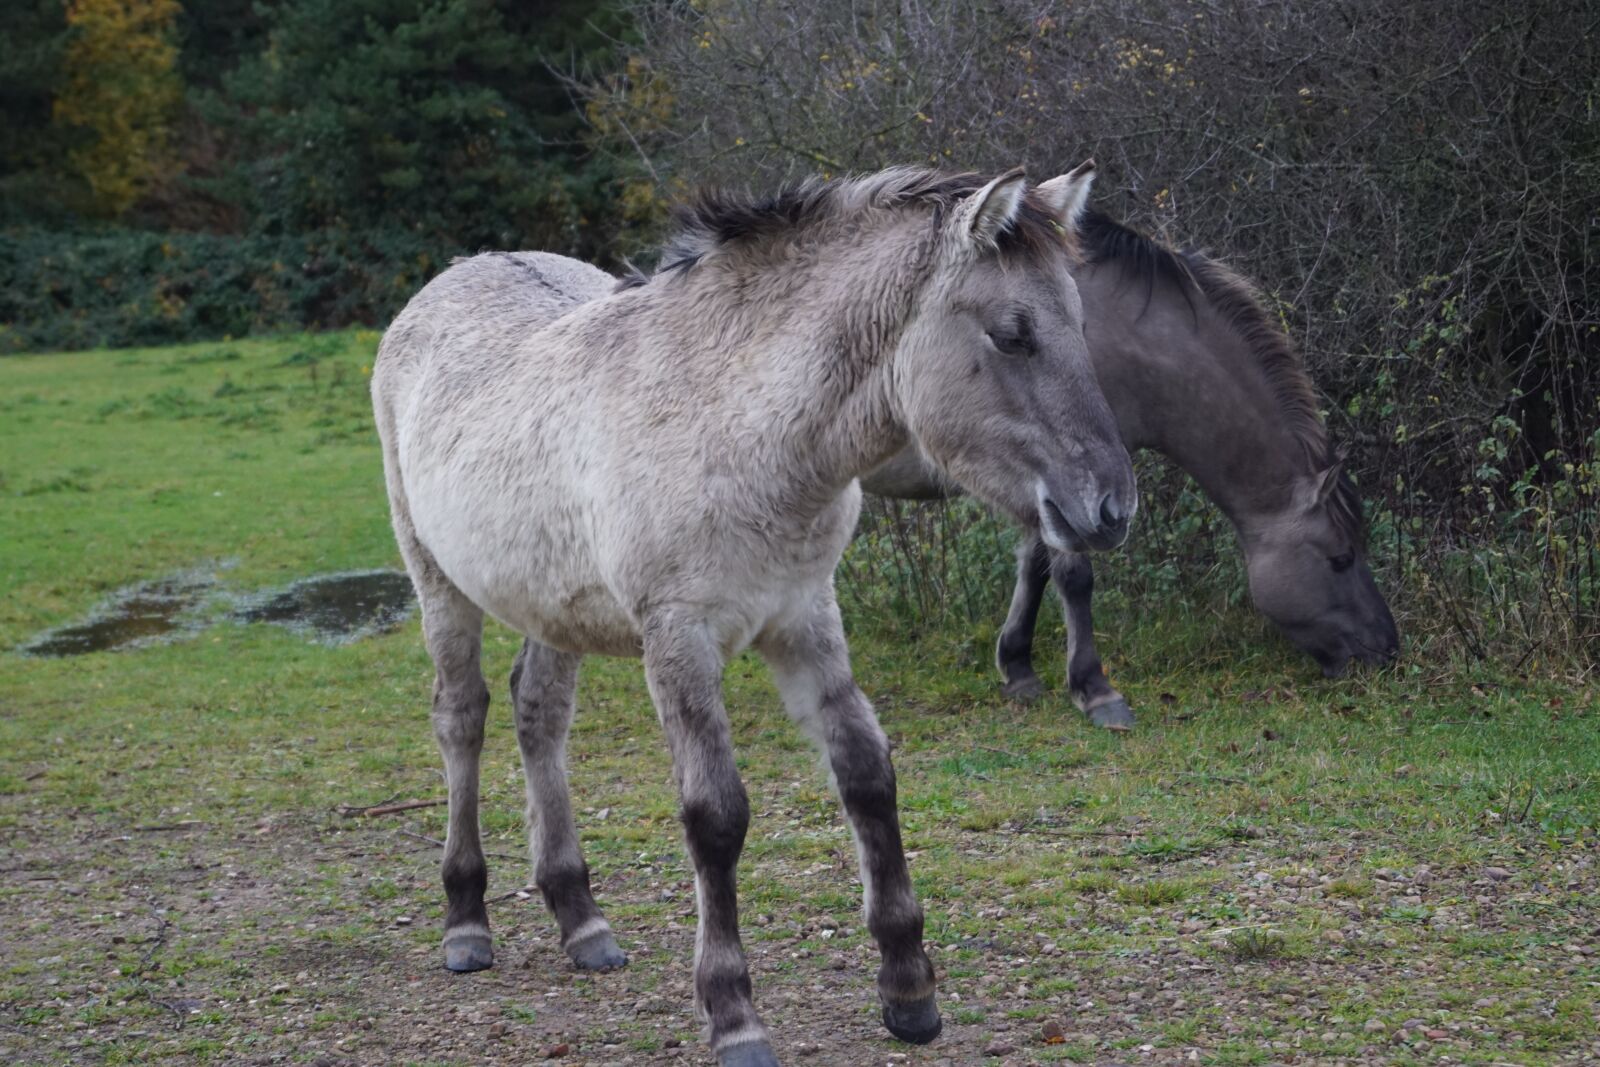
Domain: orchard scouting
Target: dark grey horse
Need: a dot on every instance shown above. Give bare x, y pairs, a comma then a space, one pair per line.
1196, 368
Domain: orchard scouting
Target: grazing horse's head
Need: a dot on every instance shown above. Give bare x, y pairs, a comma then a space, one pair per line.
1309, 575
992, 373
1211, 378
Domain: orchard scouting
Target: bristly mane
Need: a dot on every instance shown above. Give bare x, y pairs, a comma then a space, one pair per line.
718, 217
1107, 241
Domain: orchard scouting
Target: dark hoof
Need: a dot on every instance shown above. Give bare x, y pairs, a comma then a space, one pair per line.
1114, 714
749, 1054
1027, 688
468, 952
598, 953
916, 1023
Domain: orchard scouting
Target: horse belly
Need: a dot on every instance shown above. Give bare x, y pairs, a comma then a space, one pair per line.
543, 596
524, 557
587, 620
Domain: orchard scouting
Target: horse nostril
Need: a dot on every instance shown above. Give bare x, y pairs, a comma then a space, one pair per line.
1111, 514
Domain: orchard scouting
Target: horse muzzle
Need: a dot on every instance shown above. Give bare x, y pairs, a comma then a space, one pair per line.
1082, 523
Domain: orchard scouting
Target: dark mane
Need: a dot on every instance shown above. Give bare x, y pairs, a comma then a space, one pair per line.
1239, 304
1105, 240
632, 278
714, 218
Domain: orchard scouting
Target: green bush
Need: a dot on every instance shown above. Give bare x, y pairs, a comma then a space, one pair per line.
114, 288
443, 116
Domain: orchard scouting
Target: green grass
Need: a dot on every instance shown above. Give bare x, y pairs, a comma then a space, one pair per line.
1153, 894
1063, 870
1254, 943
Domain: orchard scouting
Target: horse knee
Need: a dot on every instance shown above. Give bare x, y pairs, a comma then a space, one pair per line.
1073, 575
865, 778
459, 710
1015, 645
715, 827
540, 721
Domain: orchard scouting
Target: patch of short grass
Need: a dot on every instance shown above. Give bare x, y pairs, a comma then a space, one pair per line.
1255, 943
1156, 893
1089, 882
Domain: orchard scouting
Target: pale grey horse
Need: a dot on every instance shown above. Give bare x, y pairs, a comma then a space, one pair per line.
1196, 368
670, 471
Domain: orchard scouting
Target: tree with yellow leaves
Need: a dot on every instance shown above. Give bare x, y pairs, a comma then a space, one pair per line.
121, 91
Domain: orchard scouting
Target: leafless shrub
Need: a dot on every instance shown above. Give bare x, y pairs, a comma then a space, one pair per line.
1416, 189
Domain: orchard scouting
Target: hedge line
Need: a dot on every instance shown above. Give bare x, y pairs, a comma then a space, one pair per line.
120, 288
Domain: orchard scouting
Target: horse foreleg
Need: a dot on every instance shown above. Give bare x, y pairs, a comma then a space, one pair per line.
1014, 651
811, 664
1086, 678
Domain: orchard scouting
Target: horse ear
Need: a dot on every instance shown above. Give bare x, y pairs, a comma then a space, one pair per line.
1328, 477
1314, 490
1067, 195
1328, 482
985, 215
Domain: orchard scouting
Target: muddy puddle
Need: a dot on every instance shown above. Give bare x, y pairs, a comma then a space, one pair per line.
332, 609
145, 614
335, 608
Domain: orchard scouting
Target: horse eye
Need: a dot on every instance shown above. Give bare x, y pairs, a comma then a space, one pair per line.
1017, 341
1342, 562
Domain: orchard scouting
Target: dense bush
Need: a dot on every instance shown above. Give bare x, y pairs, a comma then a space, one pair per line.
325, 158
60, 291
437, 118
1416, 191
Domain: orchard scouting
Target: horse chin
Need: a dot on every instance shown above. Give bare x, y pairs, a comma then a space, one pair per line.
1338, 666
1062, 540
1333, 664
1378, 658
1055, 530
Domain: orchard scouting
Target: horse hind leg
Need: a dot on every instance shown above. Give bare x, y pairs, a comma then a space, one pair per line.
453, 628
543, 693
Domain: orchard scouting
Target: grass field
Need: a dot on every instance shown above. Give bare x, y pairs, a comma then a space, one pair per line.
1392, 868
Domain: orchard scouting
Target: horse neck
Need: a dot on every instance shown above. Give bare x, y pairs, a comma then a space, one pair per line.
824, 324
1182, 381
835, 433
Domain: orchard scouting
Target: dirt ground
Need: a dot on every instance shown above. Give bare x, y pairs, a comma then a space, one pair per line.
241, 945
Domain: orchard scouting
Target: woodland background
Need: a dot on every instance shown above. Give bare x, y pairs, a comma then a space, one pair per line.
1414, 186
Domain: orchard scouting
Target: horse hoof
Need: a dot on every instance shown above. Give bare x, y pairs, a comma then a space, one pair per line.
916, 1023
598, 953
748, 1054
1027, 689
468, 952
1114, 714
